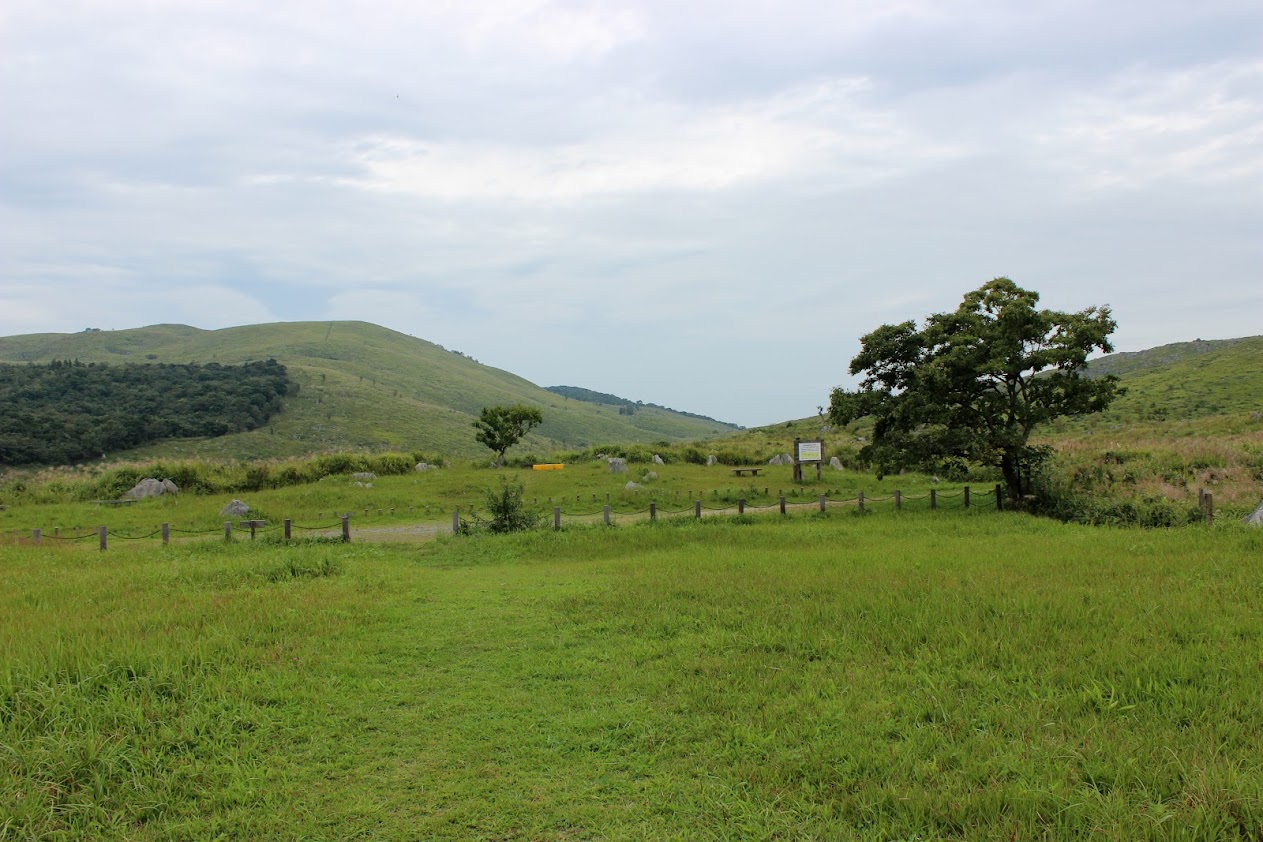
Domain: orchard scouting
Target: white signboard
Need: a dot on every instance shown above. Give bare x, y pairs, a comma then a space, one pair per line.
810, 451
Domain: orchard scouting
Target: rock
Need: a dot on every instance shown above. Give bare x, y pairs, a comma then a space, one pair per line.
781, 459
710, 460
652, 475
835, 463
1255, 518
235, 509
618, 466
364, 475
422, 467
359, 485
147, 487
657, 460
631, 486
171, 487
368, 485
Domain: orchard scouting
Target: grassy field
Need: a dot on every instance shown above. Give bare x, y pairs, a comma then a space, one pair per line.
430, 497
890, 676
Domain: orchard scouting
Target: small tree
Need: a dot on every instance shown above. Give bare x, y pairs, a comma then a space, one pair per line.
501, 427
972, 384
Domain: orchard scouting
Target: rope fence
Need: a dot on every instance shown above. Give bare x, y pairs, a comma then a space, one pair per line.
961, 499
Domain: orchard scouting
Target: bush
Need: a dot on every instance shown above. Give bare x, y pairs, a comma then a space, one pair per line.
507, 511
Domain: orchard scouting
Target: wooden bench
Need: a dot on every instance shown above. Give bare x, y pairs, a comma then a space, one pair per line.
114, 502
754, 472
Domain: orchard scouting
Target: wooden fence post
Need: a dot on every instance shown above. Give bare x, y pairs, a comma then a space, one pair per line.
556, 517
1210, 508
782, 504
741, 506
653, 510
898, 500
346, 528
697, 509
933, 499
823, 501
607, 514
966, 497
288, 528
102, 535
166, 534
228, 530
35, 536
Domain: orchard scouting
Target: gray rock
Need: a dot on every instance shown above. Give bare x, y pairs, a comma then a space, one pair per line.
781, 459
631, 486
147, 487
422, 467
1255, 518
835, 463
235, 509
710, 460
170, 487
618, 466
651, 475
657, 460
364, 475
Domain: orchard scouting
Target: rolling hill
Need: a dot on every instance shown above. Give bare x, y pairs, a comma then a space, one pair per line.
1186, 380
360, 386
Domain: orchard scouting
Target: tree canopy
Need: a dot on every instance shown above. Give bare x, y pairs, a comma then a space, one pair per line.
67, 411
971, 385
501, 427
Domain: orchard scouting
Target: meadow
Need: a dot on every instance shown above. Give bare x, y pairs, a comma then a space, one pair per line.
892, 675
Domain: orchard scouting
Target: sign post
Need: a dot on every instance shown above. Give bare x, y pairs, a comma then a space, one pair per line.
807, 453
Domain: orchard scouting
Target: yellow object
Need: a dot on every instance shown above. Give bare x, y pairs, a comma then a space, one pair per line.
553, 467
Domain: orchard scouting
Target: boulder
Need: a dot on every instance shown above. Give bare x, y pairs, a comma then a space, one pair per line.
835, 463
657, 460
147, 487
171, 487
651, 475
631, 486
364, 475
235, 509
1255, 518
618, 466
781, 459
422, 467
710, 460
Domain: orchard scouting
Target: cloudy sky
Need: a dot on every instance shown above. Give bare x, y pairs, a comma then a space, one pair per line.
699, 204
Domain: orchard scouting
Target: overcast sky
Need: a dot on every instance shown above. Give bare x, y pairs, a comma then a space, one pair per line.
698, 204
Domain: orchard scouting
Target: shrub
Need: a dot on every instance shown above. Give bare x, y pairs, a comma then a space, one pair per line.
507, 511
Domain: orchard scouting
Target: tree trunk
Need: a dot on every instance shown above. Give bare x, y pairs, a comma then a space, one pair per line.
1013, 488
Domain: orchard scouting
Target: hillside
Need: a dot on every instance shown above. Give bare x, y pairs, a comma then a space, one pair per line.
359, 386
624, 405
1186, 380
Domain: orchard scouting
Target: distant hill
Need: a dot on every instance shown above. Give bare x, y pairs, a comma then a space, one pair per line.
1187, 379
625, 406
360, 386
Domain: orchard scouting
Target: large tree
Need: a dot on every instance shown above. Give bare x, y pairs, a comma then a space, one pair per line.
501, 427
969, 386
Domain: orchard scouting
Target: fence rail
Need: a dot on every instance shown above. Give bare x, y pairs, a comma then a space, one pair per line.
607, 514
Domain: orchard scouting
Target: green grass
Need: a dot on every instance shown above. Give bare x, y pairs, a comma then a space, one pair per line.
915, 675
